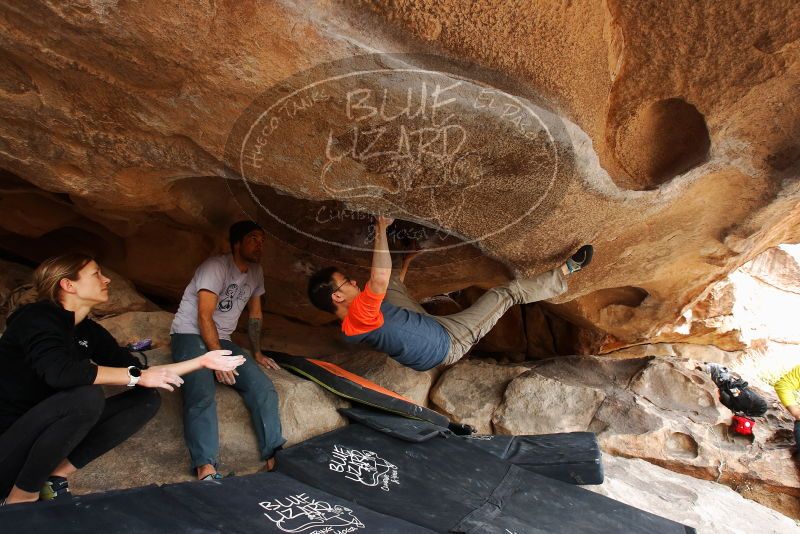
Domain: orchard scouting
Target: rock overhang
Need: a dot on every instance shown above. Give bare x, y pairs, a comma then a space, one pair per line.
677, 174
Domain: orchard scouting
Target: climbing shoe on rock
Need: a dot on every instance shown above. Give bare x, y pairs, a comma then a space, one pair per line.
580, 259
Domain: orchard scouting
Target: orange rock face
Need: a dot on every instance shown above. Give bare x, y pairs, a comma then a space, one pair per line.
504, 136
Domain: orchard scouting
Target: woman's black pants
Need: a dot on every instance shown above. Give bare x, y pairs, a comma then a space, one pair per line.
77, 424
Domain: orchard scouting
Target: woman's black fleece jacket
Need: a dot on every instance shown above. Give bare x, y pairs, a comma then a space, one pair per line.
43, 351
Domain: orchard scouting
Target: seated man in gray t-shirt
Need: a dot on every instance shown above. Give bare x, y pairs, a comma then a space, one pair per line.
210, 308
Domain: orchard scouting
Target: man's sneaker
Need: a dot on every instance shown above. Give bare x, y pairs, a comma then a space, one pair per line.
580, 259
55, 488
217, 476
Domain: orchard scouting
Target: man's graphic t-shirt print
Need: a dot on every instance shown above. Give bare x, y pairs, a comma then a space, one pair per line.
226, 299
232, 293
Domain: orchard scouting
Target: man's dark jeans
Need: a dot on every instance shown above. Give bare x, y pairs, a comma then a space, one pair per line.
200, 425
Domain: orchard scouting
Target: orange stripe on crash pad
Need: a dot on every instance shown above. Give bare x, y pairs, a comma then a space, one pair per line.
361, 381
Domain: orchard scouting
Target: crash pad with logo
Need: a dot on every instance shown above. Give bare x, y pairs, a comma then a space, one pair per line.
449, 485
264, 502
572, 457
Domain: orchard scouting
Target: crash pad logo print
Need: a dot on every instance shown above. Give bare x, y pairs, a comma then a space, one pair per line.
479, 437
303, 514
364, 466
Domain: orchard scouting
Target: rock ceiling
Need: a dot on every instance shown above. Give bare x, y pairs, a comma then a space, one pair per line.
503, 134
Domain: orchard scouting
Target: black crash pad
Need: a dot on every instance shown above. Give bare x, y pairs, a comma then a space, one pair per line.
265, 502
144, 509
448, 485
356, 388
412, 430
572, 457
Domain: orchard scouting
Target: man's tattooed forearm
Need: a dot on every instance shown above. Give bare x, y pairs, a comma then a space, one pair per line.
254, 333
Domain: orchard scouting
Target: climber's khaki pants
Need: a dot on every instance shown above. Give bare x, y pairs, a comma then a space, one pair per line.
467, 327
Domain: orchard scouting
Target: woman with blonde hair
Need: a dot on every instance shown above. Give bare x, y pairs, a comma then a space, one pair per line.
54, 417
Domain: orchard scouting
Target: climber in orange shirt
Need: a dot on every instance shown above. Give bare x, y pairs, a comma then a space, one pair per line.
384, 316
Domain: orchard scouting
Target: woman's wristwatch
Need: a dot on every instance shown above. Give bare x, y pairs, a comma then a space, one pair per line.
134, 374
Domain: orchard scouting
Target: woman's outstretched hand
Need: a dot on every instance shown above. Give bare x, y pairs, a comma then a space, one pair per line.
160, 377
221, 360
168, 376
